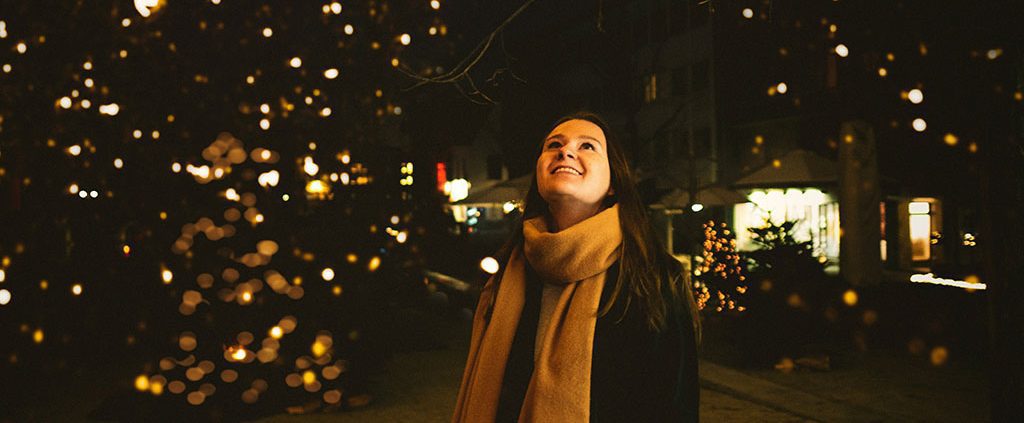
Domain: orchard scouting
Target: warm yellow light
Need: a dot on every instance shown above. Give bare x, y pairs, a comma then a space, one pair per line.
951, 139
142, 383
331, 73
850, 297
268, 32
264, 124
147, 7
38, 336
327, 274
782, 88
246, 296
318, 349
296, 62
373, 264
489, 265
349, 29
915, 96
65, 102
308, 377
919, 125
76, 289
73, 189
317, 187
842, 50
748, 13
309, 166
5, 297
939, 356
882, 72
336, 8
22, 48
166, 276
239, 354
435, 4
405, 39
86, 103
326, 111
276, 332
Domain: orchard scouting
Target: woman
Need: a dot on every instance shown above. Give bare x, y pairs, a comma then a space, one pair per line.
589, 319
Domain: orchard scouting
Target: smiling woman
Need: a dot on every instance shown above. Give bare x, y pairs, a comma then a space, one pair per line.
588, 318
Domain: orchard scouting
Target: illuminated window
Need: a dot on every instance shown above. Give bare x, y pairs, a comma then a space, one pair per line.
920, 230
650, 88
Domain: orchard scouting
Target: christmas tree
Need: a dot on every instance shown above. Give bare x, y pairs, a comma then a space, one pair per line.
718, 276
228, 176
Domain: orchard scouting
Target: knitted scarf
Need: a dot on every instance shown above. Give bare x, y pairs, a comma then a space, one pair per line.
559, 391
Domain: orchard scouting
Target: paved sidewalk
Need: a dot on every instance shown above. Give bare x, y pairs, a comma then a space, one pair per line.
422, 386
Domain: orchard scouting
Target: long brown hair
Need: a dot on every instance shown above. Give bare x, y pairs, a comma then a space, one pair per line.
645, 267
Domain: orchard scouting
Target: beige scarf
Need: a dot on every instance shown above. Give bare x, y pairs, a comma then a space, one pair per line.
559, 391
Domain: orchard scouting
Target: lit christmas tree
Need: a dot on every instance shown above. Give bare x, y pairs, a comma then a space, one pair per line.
257, 275
718, 273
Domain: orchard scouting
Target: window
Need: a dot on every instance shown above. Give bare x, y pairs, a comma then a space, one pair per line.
920, 230
650, 87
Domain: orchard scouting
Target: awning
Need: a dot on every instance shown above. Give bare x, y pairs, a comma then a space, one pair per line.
795, 169
712, 195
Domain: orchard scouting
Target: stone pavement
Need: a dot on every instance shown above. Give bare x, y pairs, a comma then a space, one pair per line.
421, 386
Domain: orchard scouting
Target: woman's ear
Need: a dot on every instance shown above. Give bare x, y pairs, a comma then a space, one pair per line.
611, 192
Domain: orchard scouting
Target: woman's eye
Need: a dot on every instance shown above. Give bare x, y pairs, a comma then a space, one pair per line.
587, 145
554, 144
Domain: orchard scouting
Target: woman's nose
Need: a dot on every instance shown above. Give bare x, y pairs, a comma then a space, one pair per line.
565, 151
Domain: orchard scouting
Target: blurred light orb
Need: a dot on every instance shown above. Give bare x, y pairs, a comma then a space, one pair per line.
842, 50
696, 207
147, 7
349, 29
76, 289
327, 274
296, 62
489, 265
336, 8
142, 383
915, 96
850, 297
5, 297
110, 109
331, 73
782, 88
405, 39
919, 125
435, 4
276, 332
939, 356
748, 13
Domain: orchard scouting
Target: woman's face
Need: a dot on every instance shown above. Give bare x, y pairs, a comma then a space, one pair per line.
573, 164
